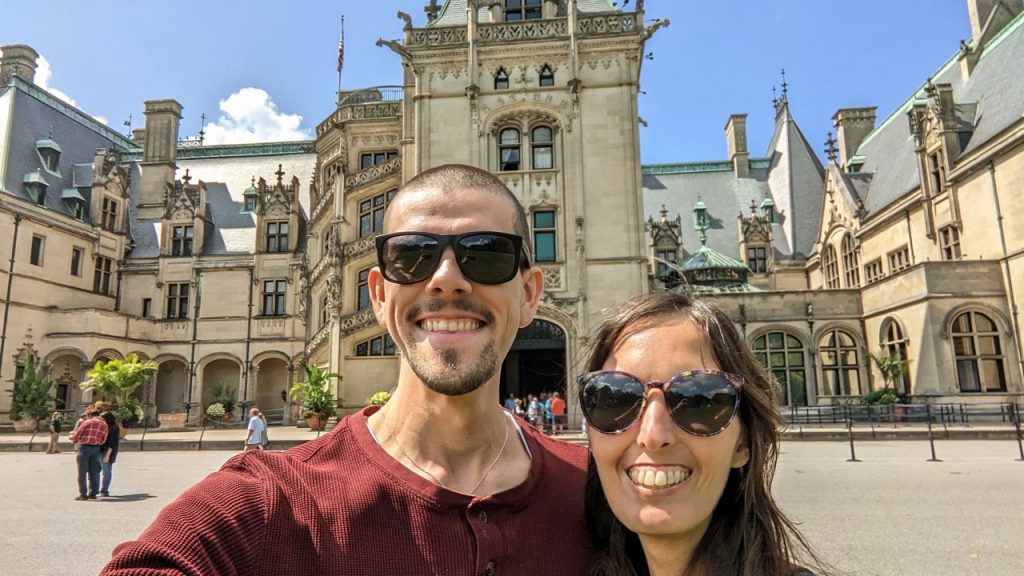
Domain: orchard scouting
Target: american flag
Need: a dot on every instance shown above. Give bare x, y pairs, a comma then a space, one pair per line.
341, 47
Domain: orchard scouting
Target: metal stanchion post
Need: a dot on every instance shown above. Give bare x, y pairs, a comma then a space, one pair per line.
201, 434
1015, 414
849, 434
931, 437
142, 441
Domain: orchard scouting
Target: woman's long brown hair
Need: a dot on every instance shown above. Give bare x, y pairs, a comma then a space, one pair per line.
748, 534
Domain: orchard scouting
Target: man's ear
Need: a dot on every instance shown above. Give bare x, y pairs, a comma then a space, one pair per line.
533, 288
375, 285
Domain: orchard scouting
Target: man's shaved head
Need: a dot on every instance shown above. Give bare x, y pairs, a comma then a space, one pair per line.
450, 177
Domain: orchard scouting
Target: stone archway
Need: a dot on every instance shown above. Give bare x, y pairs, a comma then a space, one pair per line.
272, 379
171, 381
537, 361
222, 372
68, 371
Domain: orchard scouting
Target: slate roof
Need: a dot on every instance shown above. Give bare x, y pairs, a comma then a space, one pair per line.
37, 118
791, 175
991, 96
453, 12
226, 178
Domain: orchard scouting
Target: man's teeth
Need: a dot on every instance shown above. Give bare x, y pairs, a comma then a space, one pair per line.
450, 325
657, 478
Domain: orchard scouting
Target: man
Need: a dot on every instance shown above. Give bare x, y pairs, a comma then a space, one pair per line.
256, 428
557, 413
438, 481
90, 437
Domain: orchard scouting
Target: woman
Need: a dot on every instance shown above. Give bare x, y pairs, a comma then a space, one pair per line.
683, 430
109, 451
55, 427
257, 427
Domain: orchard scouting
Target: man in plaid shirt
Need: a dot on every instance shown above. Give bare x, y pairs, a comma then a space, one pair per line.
90, 436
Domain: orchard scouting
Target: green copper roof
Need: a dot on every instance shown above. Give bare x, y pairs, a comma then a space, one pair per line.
71, 194
34, 177
694, 167
47, 143
708, 259
237, 150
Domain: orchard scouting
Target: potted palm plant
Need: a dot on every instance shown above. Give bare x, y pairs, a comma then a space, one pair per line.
30, 398
892, 367
115, 381
316, 395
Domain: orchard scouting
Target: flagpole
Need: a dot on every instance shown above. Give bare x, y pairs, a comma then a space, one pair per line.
341, 54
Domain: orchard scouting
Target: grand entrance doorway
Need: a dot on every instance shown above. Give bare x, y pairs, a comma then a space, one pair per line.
536, 362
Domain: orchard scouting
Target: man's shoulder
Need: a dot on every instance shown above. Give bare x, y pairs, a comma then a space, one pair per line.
561, 451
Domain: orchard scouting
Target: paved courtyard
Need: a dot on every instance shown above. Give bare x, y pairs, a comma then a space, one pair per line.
894, 513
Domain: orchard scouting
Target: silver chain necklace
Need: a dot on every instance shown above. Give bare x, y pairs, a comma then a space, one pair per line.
436, 480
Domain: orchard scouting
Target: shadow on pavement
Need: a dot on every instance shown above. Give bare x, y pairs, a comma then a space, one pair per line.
126, 497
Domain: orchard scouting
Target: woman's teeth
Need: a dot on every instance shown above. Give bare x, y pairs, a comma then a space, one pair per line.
450, 325
657, 477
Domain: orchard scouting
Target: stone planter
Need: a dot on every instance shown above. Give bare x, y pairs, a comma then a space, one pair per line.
172, 419
26, 425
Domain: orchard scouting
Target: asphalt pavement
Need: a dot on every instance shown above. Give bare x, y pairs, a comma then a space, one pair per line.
893, 513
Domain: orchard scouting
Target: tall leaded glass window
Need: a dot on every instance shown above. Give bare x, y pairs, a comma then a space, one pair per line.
894, 343
501, 80
544, 234
851, 262
979, 353
542, 148
830, 267
840, 373
509, 141
783, 355
516, 10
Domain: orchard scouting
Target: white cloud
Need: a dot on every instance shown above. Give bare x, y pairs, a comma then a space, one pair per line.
249, 115
42, 79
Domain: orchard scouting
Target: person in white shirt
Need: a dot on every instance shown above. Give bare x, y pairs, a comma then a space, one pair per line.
254, 441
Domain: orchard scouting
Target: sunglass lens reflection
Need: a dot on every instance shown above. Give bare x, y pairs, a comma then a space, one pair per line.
411, 258
612, 401
487, 259
701, 404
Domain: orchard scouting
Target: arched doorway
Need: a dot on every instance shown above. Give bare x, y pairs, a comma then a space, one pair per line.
171, 380
536, 363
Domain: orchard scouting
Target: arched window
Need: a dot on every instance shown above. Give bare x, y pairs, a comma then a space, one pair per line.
840, 375
508, 150
542, 148
501, 80
894, 343
547, 77
783, 355
830, 267
979, 353
851, 262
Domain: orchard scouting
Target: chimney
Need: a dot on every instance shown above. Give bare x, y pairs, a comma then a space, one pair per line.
18, 60
852, 126
160, 150
736, 139
988, 18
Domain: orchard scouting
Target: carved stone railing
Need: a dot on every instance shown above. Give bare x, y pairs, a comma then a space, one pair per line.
364, 111
357, 321
525, 30
606, 24
553, 276
360, 247
325, 200
438, 36
372, 174
322, 335
319, 269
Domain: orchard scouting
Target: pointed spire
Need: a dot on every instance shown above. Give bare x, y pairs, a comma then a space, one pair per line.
186, 178
831, 148
280, 175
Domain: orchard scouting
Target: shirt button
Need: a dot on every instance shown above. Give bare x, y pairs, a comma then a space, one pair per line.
489, 569
482, 516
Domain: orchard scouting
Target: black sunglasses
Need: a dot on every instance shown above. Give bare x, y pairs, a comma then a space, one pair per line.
483, 257
702, 402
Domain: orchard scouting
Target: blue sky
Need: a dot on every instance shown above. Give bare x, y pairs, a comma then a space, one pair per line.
266, 70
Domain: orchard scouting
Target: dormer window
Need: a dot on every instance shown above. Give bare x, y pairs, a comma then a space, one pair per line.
768, 210
49, 153
501, 80
936, 172
249, 198
74, 201
35, 186
547, 77
516, 10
